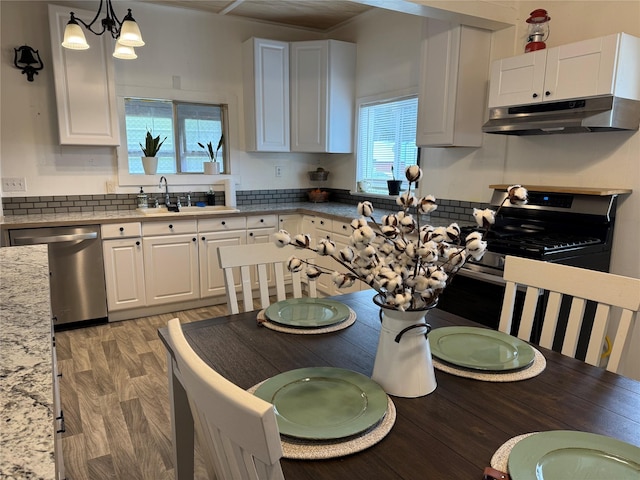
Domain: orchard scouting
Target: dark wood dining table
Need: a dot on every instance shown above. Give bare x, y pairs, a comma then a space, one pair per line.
451, 433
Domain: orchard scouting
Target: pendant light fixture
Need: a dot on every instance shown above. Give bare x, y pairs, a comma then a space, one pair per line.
125, 32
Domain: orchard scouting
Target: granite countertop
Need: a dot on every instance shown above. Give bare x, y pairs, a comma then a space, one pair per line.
26, 392
339, 211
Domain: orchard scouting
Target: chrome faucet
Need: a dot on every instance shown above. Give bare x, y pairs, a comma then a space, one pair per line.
167, 200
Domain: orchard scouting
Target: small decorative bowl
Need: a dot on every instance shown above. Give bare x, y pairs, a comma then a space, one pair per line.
317, 196
319, 175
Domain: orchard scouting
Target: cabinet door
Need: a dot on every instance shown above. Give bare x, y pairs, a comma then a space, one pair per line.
322, 96
262, 235
211, 276
171, 268
266, 95
84, 84
309, 96
453, 77
124, 273
517, 80
292, 223
581, 69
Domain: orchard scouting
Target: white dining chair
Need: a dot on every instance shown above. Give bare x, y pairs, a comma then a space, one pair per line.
237, 431
605, 289
262, 258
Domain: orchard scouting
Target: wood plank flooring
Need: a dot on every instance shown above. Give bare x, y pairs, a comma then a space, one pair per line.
115, 399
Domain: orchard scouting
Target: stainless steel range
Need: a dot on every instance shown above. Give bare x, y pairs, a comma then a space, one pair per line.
572, 226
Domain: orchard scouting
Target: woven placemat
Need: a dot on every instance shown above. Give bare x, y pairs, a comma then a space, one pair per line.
500, 459
300, 449
535, 369
264, 321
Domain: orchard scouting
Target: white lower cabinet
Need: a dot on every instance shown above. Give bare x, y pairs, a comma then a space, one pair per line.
214, 233
171, 267
341, 233
123, 265
124, 273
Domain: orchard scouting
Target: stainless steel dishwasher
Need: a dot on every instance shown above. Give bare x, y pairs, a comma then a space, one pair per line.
76, 271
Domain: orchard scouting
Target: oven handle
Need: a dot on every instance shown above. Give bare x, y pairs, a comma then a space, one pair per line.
483, 277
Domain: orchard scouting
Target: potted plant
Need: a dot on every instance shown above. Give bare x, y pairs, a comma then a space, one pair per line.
150, 150
212, 167
394, 185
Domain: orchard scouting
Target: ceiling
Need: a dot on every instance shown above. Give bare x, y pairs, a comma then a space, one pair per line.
321, 15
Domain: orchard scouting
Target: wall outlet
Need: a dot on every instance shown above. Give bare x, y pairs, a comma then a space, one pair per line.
14, 184
111, 186
279, 169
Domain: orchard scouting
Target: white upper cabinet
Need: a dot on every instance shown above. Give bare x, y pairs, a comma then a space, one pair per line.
601, 66
84, 84
322, 96
266, 95
453, 84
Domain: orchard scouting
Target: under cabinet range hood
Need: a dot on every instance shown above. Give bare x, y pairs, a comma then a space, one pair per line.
595, 114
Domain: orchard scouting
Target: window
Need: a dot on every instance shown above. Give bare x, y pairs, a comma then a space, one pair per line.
386, 140
184, 125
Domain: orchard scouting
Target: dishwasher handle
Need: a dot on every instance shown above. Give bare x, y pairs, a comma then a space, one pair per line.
37, 240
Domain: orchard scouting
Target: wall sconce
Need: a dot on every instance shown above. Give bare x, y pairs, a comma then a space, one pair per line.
26, 61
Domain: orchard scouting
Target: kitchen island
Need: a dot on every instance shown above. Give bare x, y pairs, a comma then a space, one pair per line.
27, 435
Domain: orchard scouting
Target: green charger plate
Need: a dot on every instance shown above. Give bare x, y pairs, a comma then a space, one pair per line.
569, 455
324, 403
307, 312
480, 349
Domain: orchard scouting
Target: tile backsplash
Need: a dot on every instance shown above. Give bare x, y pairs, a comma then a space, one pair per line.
454, 209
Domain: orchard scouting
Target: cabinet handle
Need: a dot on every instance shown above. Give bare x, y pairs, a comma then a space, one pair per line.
224, 223
138, 243
535, 95
251, 234
170, 226
262, 220
194, 239
204, 238
547, 93
122, 229
344, 227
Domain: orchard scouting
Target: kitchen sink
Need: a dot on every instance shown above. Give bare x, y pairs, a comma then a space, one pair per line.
206, 210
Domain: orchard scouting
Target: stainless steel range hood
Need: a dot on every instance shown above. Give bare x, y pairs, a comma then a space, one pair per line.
595, 114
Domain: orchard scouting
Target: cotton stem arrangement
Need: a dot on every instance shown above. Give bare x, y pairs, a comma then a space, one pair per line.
407, 263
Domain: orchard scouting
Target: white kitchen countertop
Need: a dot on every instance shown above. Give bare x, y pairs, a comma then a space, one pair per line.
26, 390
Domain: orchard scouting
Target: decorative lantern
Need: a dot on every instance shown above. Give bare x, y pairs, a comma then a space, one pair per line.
538, 30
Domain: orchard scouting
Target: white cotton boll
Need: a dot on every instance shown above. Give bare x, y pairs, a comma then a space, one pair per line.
420, 283
342, 280
365, 208
294, 264
282, 238
438, 235
452, 232
427, 204
389, 220
476, 248
473, 236
517, 194
413, 173
438, 280
358, 223
402, 300
302, 240
456, 256
347, 254
326, 247
369, 252
406, 200
389, 231
312, 272
399, 245
484, 218
408, 224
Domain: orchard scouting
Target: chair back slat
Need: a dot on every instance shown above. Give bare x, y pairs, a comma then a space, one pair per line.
238, 429
262, 268
559, 282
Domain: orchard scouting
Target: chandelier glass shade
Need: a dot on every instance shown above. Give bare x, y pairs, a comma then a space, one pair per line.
125, 32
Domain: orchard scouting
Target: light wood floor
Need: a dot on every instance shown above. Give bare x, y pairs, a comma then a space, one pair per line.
114, 394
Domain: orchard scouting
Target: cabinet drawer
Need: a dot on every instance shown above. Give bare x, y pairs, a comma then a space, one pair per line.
121, 230
324, 224
262, 221
343, 228
169, 227
222, 224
